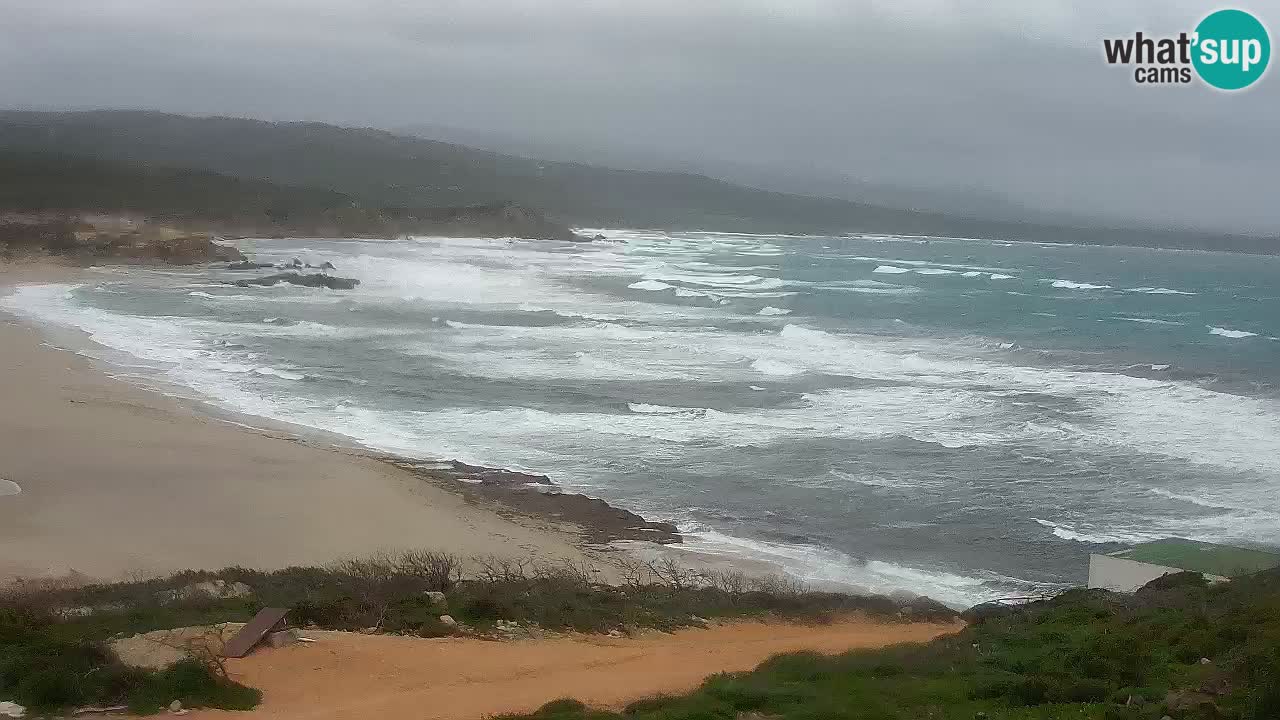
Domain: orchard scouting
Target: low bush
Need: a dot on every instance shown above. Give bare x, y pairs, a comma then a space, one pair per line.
44, 669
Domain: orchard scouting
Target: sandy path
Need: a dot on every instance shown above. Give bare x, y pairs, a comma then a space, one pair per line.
116, 480
346, 676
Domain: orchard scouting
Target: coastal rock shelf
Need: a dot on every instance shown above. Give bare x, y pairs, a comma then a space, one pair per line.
536, 495
294, 278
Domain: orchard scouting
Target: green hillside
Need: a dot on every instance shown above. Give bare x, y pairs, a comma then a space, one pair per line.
40, 182
381, 168
1177, 649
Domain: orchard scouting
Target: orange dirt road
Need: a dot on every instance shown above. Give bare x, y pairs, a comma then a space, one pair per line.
356, 677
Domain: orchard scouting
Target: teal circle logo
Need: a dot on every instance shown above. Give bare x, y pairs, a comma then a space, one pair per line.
1231, 49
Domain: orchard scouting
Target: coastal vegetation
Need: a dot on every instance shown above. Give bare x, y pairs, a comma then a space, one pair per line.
55, 641
1178, 648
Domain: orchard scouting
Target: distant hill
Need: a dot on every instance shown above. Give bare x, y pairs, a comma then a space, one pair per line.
378, 168
53, 183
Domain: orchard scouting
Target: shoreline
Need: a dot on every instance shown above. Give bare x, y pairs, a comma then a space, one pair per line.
118, 479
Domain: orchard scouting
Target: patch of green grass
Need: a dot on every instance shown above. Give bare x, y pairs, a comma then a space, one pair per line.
44, 668
193, 685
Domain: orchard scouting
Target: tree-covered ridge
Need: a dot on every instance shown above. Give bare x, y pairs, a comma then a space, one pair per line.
59, 183
378, 168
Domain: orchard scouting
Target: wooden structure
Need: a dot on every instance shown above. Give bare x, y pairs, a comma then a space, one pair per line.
267, 620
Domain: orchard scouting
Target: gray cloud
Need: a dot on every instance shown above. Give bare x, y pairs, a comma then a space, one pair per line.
1007, 97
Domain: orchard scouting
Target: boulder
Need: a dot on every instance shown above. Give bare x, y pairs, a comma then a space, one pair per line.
448, 621
283, 638
246, 265
216, 589
295, 278
437, 598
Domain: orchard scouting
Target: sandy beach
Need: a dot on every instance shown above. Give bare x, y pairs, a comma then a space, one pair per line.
113, 480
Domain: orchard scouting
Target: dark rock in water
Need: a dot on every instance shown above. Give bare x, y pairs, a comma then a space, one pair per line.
294, 278
294, 263
498, 476
246, 265
599, 236
326, 265
536, 495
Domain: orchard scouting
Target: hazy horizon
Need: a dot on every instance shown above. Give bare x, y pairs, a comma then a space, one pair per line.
1007, 110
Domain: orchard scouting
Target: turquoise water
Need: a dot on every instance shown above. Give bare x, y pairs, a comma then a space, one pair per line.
963, 418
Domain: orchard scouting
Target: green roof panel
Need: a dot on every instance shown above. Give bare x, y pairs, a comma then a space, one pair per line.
1202, 557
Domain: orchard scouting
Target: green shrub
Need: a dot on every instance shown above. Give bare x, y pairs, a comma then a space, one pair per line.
194, 685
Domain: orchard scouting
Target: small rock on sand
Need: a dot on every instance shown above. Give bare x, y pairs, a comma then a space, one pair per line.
175, 706
284, 638
448, 621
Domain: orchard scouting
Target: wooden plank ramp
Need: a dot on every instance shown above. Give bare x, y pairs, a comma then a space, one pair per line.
267, 620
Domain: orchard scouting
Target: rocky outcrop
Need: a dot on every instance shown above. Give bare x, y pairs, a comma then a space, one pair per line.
296, 278
246, 265
182, 250
536, 495
123, 241
211, 589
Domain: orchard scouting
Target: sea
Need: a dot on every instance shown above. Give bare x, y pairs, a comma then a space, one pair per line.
961, 418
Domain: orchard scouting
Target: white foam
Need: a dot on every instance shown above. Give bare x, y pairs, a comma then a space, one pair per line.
647, 409
201, 294
715, 280
1001, 276
1158, 291
1087, 533
1193, 499
1229, 333
1073, 285
934, 271
1148, 321
890, 270
970, 274
921, 263
773, 367
825, 567
770, 310
276, 372
652, 285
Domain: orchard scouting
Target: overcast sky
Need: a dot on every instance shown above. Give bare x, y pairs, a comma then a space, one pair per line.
1010, 96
